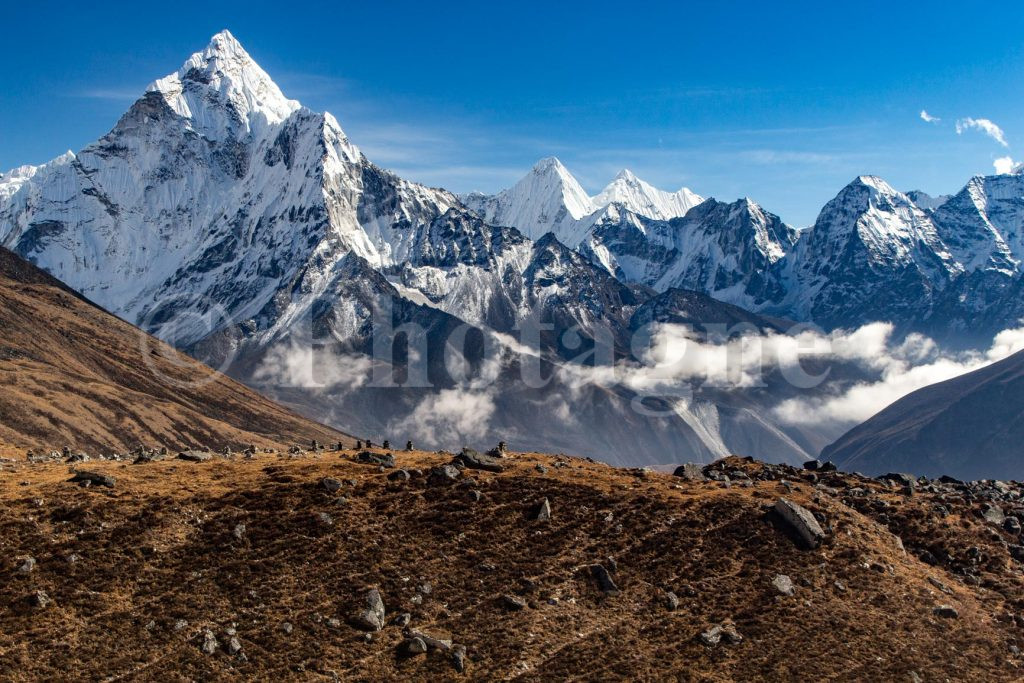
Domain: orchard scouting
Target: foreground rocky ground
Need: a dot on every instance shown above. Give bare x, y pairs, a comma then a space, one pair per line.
324, 565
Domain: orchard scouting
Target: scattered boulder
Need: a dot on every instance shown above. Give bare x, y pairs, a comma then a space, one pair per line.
459, 658
604, 580
27, 565
513, 603
477, 461
372, 617
719, 633
993, 514
442, 475
39, 599
85, 478
402, 620
234, 646
690, 471
209, 645
368, 458
442, 644
784, 584
399, 475
239, 531
898, 478
945, 611
671, 601
331, 484
543, 511
801, 520
413, 646
195, 456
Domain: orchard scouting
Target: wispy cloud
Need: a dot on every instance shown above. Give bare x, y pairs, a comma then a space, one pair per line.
114, 93
928, 118
985, 126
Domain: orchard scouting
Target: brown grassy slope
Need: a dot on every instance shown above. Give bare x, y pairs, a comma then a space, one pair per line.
72, 374
159, 548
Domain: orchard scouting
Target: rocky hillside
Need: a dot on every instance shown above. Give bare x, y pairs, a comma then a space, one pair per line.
970, 427
361, 565
72, 374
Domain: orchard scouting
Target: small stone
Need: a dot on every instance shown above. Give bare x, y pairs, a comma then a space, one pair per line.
513, 603
671, 601
402, 620
783, 584
711, 636
331, 484
287, 627
40, 599
543, 511
413, 646
604, 580
325, 518
459, 658
731, 635
180, 624
239, 531
234, 646
27, 565
945, 611
433, 643
475, 496
209, 645
399, 475
371, 618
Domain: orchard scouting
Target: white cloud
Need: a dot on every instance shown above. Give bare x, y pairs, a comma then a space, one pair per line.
912, 365
928, 118
295, 365
452, 413
1006, 165
985, 126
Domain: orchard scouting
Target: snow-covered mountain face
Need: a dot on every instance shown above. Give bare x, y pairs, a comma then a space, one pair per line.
932, 264
550, 199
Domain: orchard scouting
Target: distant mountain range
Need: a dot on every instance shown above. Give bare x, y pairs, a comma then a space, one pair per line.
947, 266
244, 228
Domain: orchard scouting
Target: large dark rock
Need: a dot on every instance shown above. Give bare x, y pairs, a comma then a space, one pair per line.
801, 521
477, 461
86, 478
368, 458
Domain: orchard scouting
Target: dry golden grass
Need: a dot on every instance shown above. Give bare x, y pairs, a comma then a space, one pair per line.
159, 548
72, 374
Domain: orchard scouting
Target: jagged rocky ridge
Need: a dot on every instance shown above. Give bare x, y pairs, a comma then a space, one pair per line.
947, 266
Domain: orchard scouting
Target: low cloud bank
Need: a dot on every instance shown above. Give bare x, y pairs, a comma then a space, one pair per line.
904, 368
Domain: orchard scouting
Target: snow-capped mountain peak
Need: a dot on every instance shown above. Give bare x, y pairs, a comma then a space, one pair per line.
224, 74
547, 199
646, 200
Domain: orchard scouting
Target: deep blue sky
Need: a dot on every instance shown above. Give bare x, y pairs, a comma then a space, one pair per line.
785, 105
